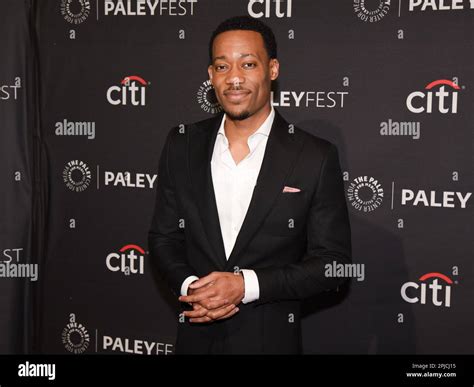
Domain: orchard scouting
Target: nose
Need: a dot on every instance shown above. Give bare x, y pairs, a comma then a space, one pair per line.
234, 77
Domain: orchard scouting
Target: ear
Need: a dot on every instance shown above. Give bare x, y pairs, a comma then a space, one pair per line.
274, 69
209, 71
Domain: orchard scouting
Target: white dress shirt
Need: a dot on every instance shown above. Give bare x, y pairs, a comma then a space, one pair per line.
233, 189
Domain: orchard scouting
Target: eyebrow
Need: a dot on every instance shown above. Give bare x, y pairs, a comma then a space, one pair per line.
241, 56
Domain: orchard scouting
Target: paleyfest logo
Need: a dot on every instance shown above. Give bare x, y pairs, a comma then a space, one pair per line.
365, 193
77, 175
207, 99
75, 336
75, 11
369, 13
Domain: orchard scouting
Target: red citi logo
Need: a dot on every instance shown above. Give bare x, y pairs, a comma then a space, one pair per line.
128, 261
447, 100
414, 292
131, 91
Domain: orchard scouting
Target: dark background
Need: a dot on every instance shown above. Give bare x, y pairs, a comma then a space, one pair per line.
66, 70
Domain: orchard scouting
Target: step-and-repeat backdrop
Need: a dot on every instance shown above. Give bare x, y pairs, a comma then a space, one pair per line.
390, 82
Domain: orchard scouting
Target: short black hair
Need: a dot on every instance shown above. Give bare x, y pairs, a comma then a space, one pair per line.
249, 24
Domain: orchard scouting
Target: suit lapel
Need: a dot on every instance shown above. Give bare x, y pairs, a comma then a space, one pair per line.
281, 152
200, 148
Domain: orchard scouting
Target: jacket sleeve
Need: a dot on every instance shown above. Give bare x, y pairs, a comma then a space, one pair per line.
328, 240
166, 238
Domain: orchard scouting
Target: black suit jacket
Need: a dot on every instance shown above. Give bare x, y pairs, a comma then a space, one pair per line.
287, 238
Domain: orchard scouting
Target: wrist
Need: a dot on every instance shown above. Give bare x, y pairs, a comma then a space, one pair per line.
241, 275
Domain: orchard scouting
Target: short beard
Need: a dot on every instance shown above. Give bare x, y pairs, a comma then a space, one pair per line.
238, 117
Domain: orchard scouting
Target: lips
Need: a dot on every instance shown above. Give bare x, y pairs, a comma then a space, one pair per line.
236, 95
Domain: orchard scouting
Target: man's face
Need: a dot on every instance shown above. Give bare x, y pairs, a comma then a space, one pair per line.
241, 73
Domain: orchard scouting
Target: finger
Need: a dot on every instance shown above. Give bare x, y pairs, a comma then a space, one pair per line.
201, 289
203, 281
213, 304
201, 312
215, 314
198, 297
230, 314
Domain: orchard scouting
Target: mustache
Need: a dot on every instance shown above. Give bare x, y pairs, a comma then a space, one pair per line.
234, 88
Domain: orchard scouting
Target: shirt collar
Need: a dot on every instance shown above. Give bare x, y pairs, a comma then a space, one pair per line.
264, 130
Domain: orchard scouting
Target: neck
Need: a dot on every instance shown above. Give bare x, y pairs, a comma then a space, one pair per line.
241, 130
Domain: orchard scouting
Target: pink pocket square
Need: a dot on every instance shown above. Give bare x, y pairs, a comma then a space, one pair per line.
290, 189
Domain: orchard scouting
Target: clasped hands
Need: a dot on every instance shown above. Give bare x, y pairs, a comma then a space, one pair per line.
214, 297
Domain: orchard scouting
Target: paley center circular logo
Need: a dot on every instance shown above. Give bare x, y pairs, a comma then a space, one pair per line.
207, 99
75, 11
365, 193
371, 10
77, 175
75, 336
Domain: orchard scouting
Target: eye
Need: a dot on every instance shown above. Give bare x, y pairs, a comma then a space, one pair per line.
249, 65
219, 67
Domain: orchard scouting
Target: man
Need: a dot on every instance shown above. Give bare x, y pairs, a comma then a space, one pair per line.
249, 209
